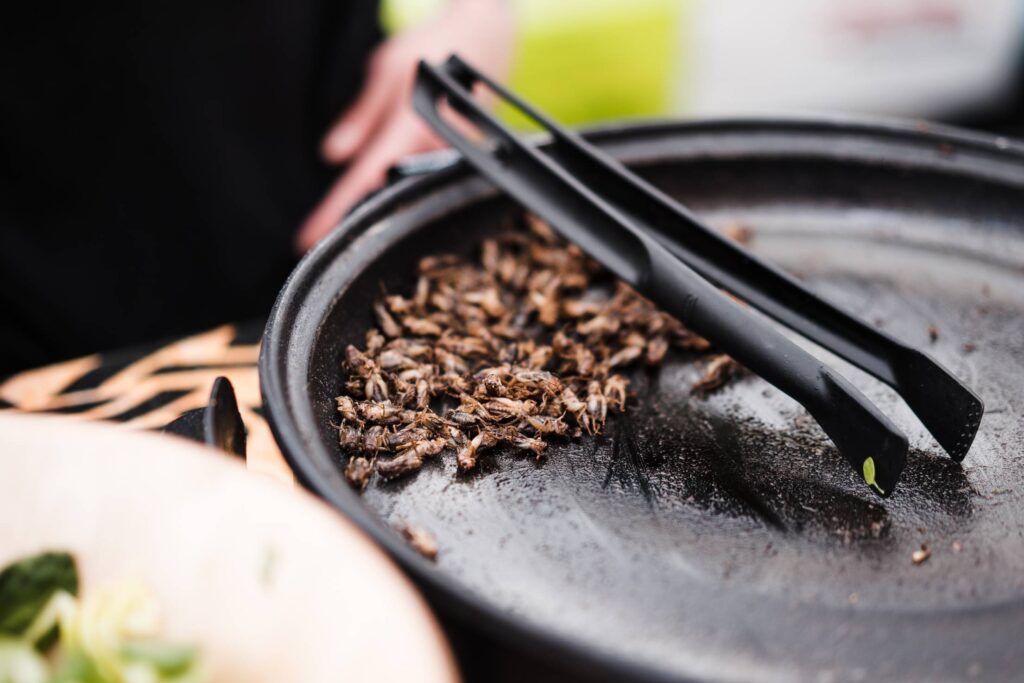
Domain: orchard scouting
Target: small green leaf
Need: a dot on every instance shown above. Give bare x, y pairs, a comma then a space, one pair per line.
869, 474
28, 584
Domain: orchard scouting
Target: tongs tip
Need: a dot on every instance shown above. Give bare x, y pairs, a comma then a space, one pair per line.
950, 410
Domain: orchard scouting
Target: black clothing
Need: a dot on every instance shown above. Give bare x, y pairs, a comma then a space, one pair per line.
156, 159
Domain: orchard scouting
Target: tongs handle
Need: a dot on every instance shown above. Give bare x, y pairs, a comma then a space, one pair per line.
872, 445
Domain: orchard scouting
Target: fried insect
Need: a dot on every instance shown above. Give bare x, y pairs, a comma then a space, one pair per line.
537, 446
615, 392
656, 349
422, 327
489, 300
387, 324
467, 347
369, 440
625, 356
577, 356
404, 438
509, 408
574, 405
374, 341
537, 381
719, 370
390, 359
411, 459
539, 357
358, 363
544, 425
467, 455
375, 389
596, 409
422, 394
600, 325
381, 412
358, 471
347, 409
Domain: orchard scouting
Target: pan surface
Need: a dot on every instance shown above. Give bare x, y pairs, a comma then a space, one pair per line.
721, 537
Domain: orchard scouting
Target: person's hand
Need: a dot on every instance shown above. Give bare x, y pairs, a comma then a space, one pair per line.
381, 126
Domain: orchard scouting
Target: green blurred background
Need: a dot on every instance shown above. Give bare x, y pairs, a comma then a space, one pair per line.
619, 57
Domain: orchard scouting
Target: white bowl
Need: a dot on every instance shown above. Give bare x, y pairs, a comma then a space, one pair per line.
269, 582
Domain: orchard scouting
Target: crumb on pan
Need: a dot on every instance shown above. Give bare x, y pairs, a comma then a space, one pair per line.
739, 232
422, 541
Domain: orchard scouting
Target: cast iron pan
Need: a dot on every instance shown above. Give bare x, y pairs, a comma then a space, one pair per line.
721, 537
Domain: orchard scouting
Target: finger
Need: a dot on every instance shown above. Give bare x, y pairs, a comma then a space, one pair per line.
404, 135
352, 131
356, 182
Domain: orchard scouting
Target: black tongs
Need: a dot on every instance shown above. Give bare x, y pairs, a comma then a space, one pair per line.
660, 248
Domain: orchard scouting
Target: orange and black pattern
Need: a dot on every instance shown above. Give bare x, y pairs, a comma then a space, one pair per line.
147, 388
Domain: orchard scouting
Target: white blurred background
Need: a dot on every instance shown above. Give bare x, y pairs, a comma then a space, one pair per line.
595, 60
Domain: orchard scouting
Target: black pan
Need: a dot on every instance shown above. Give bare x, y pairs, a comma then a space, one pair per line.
720, 538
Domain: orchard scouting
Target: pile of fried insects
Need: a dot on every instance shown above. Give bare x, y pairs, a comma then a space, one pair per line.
515, 349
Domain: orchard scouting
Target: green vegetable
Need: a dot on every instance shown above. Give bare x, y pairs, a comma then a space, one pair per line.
26, 587
168, 658
106, 638
75, 667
